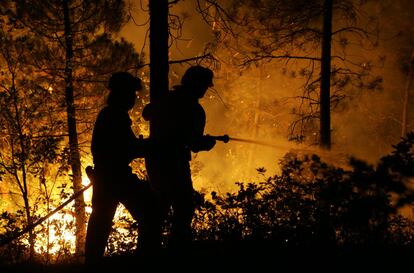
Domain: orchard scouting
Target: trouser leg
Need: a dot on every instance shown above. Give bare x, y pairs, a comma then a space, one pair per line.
141, 202
172, 180
183, 211
99, 225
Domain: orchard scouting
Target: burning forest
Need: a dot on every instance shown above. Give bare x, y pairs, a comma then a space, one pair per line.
247, 131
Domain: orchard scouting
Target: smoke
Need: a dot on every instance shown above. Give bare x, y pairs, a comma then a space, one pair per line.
259, 103
256, 105
237, 162
370, 120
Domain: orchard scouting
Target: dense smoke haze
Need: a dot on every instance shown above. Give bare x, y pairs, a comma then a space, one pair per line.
317, 98
259, 102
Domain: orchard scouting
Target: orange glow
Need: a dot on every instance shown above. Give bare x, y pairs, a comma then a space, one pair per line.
60, 236
87, 195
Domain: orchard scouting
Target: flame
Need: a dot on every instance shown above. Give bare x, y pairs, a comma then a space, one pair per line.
87, 195
60, 235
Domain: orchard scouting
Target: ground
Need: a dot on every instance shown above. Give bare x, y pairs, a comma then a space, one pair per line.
241, 257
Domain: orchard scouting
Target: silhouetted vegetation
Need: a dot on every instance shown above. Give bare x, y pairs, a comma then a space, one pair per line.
310, 204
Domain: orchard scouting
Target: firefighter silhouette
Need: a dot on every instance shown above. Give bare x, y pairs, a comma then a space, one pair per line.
114, 146
178, 122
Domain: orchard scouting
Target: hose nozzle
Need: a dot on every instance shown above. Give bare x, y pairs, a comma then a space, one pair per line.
224, 138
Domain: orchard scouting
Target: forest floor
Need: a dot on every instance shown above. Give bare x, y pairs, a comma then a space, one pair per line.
208, 257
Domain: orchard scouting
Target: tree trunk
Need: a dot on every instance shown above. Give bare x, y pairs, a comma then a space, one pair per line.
22, 160
407, 97
73, 135
158, 49
325, 97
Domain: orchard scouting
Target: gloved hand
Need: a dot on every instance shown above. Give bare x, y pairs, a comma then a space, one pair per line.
208, 142
143, 146
204, 143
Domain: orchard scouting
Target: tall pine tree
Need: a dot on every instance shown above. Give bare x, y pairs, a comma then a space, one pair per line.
76, 51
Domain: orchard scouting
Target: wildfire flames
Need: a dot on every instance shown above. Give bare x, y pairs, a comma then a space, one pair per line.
272, 94
57, 239
56, 236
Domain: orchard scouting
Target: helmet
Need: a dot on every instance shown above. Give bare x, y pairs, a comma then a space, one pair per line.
124, 80
197, 75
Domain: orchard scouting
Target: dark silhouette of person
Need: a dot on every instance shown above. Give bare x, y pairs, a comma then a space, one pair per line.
114, 146
178, 121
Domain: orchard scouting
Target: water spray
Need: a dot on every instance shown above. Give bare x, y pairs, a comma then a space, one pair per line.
227, 138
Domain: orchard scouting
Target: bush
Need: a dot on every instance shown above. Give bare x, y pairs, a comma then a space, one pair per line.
312, 203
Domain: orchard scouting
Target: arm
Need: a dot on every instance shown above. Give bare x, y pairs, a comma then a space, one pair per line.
199, 141
148, 111
113, 139
203, 143
140, 147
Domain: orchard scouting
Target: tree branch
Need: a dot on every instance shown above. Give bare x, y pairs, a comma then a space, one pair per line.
259, 58
205, 56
